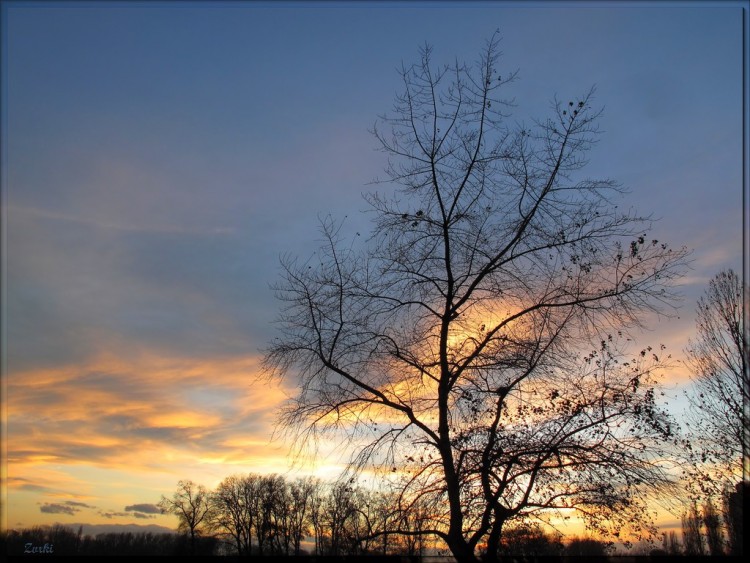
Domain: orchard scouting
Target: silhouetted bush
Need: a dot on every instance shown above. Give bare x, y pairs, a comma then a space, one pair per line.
528, 542
587, 547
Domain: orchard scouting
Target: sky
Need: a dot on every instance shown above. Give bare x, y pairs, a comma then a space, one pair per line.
159, 158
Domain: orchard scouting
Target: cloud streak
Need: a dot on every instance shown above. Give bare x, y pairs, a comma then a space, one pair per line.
57, 509
68, 507
109, 515
144, 508
148, 414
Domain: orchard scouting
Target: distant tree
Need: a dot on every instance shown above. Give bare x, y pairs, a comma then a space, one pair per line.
530, 541
65, 540
712, 524
267, 511
720, 394
671, 544
301, 493
269, 506
317, 501
587, 547
417, 515
190, 503
692, 539
339, 515
282, 518
383, 522
473, 341
717, 444
232, 512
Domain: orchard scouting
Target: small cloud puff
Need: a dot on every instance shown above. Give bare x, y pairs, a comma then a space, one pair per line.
143, 516
143, 510
146, 508
51, 508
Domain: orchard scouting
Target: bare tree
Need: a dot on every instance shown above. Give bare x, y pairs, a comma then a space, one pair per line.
394, 523
473, 341
270, 507
692, 538
266, 510
301, 492
671, 544
317, 500
529, 541
415, 515
718, 359
385, 516
712, 524
340, 515
190, 503
232, 503
587, 547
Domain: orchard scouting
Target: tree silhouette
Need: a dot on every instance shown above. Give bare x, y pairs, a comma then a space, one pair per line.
712, 524
301, 492
232, 512
474, 342
717, 442
528, 540
587, 547
718, 359
264, 514
190, 503
270, 503
671, 544
340, 516
67, 542
692, 538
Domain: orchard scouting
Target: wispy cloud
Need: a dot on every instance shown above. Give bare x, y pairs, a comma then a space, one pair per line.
116, 226
22, 484
78, 504
150, 414
109, 515
141, 515
58, 509
145, 508
68, 507
143, 511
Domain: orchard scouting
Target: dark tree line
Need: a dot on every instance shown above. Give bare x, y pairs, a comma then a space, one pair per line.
526, 541
59, 540
716, 443
272, 515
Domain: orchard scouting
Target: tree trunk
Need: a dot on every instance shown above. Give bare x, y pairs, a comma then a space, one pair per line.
493, 541
460, 548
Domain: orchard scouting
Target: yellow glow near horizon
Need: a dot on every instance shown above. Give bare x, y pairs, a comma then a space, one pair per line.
135, 419
177, 419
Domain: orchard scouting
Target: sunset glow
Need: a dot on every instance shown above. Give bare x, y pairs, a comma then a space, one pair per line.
159, 160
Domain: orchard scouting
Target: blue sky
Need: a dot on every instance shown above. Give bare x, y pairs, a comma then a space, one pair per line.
159, 158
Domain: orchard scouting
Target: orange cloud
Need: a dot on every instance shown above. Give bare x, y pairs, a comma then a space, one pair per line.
155, 419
